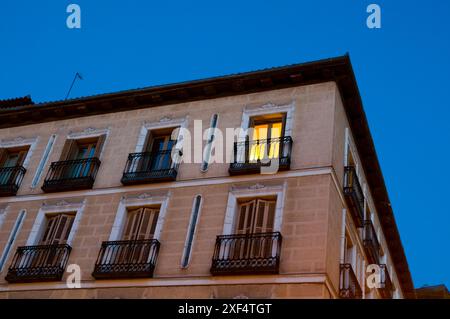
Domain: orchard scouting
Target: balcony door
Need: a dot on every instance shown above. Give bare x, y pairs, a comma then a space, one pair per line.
56, 232
254, 217
80, 151
58, 229
265, 142
160, 148
8, 160
140, 225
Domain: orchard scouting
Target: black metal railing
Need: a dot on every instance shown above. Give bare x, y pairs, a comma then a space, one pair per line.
126, 259
39, 263
251, 156
354, 195
10, 179
371, 244
151, 167
71, 175
247, 254
386, 288
349, 287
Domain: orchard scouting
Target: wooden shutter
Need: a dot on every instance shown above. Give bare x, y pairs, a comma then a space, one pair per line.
245, 217
264, 219
256, 216
348, 252
98, 147
63, 229
148, 142
49, 230
141, 224
148, 223
132, 225
68, 149
58, 229
265, 213
21, 158
3, 154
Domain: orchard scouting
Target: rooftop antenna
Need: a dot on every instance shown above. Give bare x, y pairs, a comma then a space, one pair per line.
77, 75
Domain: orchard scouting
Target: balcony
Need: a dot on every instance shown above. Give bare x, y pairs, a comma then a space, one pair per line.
71, 175
386, 289
248, 155
247, 254
371, 244
38, 263
150, 168
126, 259
349, 287
10, 180
354, 195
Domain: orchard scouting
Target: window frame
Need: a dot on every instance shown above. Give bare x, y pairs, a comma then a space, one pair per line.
250, 192
61, 207
268, 109
138, 201
21, 143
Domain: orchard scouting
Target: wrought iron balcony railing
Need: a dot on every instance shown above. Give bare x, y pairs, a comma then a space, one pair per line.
247, 254
371, 244
71, 175
250, 156
38, 263
387, 289
349, 287
126, 259
151, 167
354, 195
10, 179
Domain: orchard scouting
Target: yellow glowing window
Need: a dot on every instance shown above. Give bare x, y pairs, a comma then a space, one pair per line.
266, 141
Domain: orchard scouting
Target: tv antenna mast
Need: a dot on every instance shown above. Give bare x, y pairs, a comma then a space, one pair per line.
77, 76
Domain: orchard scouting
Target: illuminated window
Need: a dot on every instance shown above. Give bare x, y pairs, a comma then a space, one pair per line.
266, 136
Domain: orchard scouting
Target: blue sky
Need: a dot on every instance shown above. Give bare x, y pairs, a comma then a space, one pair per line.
402, 71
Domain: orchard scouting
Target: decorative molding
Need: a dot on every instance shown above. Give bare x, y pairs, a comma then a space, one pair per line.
62, 205
143, 197
165, 119
18, 141
280, 176
257, 186
270, 108
88, 132
313, 278
164, 122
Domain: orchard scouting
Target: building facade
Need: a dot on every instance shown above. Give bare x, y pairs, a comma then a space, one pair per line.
112, 187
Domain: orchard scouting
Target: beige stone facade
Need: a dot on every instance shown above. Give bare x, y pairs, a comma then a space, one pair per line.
315, 215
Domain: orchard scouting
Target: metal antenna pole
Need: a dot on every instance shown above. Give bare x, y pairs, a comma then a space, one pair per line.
77, 75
